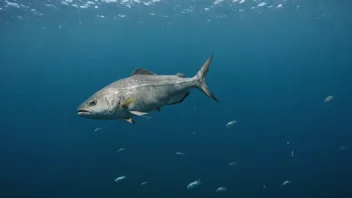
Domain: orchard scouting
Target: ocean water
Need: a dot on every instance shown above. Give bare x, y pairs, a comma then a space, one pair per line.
275, 61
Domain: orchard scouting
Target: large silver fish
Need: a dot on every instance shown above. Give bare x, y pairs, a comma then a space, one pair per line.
142, 92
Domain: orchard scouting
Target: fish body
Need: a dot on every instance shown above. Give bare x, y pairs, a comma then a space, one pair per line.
230, 124
98, 129
327, 99
286, 183
221, 189
144, 183
142, 92
194, 184
120, 178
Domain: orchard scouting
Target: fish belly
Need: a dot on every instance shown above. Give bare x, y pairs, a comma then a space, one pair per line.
151, 98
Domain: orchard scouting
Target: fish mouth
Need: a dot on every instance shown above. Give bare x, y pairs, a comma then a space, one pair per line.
84, 112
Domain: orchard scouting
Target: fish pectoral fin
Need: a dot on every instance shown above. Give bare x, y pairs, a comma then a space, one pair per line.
130, 120
158, 109
128, 102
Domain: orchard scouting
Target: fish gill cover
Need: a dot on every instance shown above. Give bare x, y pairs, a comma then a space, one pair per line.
281, 70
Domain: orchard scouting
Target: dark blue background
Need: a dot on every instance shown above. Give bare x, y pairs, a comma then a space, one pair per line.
271, 71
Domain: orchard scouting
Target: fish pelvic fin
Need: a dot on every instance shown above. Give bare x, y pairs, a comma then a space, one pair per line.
200, 78
138, 113
130, 120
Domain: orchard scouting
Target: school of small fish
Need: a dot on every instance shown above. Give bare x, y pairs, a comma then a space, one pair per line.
197, 183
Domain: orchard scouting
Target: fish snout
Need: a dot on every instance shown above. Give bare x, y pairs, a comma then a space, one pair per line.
84, 112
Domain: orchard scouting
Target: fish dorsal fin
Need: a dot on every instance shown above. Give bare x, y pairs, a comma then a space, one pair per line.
142, 72
181, 75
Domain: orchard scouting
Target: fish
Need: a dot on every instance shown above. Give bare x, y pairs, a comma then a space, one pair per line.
286, 183
98, 129
327, 99
179, 153
194, 184
143, 92
144, 183
230, 124
120, 178
221, 189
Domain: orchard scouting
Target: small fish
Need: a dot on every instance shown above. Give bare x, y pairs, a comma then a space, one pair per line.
230, 124
194, 184
98, 129
221, 189
292, 153
144, 183
264, 187
142, 92
327, 99
179, 153
121, 149
120, 178
285, 183
232, 163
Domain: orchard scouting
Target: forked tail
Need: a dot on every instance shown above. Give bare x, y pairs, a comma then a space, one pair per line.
200, 78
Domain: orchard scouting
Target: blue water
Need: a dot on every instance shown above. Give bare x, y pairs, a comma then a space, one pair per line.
272, 69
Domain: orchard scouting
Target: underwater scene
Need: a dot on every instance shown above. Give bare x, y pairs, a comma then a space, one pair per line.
176, 98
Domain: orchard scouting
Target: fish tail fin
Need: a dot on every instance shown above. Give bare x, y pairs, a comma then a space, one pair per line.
200, 79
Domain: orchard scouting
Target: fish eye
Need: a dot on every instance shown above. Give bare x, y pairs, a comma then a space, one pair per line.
92, 103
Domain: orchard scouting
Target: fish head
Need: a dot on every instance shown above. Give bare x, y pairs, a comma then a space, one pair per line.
100, 106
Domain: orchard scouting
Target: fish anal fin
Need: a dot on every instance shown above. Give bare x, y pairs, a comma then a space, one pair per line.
184, 97
130, 120
141, 71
